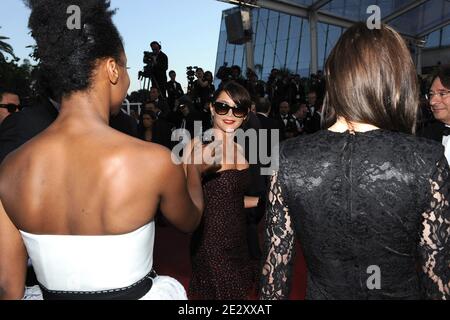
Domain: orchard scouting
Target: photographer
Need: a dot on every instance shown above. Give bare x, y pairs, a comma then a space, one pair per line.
203, 89
255, 87
160, 64
236, 75
296, 90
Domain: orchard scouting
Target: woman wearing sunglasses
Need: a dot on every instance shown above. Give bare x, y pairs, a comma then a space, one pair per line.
221, 265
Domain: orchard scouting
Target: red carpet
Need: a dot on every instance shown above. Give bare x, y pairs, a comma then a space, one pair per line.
171, 258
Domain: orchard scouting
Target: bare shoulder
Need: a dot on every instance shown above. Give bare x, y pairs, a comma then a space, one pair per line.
241, 161
148, 157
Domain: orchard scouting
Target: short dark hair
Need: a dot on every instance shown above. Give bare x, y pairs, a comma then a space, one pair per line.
149, 112
68, 57
7, 90
370, 78
444, 75
172, 72
237, 68
157, 43
295, 107
263, 105
237, 93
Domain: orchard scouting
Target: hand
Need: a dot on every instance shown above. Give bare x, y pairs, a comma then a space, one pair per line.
206, 158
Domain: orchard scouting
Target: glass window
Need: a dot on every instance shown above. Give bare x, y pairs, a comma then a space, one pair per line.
262, 26
222, 42
238, 55
433, 39
280, 57
229, 54
270, 40
223, 26
283, 27
334, 33
294, 43
220, 60
322, 34
304, 59
259, 53
445, 36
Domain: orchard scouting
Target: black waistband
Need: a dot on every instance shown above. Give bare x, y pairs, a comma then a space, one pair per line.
133, 292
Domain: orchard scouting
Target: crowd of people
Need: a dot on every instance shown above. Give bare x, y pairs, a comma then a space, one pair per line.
82, 182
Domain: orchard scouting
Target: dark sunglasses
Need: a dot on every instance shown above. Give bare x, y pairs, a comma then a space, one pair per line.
11, 107
223, 109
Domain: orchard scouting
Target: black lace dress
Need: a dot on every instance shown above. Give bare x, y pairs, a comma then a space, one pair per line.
372, 214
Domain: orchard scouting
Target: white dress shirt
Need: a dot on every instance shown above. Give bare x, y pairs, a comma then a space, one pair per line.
446, 144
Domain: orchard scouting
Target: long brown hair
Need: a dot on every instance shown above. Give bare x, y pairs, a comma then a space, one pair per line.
371, 79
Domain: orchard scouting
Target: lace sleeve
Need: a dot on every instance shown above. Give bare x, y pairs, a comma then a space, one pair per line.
435, 242
279, 246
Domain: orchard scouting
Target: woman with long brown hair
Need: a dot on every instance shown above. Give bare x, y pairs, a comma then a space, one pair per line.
367, 200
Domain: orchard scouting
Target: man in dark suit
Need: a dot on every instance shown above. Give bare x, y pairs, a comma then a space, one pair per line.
263, 107
160, 66
159, 102
162, 127
186, 115
439, 100
174, 90
287, 121
259, 182
296, 90
21, 126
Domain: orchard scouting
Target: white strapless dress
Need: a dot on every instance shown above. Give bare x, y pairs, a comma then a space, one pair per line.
97, 263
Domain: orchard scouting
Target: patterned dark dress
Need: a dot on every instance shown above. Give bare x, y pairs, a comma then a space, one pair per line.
362, 205
221, 265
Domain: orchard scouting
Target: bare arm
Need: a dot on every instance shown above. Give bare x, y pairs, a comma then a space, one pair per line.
251, 202
279, 246
435, 238
13, 259
181, 195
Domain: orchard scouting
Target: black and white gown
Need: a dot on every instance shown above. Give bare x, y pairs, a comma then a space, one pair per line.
86, 267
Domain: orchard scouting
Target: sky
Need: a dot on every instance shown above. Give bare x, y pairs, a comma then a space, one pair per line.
188, 31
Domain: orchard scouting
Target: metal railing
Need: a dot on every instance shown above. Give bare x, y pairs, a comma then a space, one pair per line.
127, 106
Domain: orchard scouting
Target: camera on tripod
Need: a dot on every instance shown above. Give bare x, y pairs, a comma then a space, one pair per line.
148, 68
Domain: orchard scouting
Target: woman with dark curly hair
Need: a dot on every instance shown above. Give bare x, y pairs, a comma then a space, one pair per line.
68, 198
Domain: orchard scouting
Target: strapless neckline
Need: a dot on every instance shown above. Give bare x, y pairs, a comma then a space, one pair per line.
90, 236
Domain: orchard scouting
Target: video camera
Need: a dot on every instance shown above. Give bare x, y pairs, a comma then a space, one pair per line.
148, 68
224, 73
149, 57
191, 71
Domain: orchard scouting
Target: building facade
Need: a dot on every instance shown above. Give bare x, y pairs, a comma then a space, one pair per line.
283, 41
